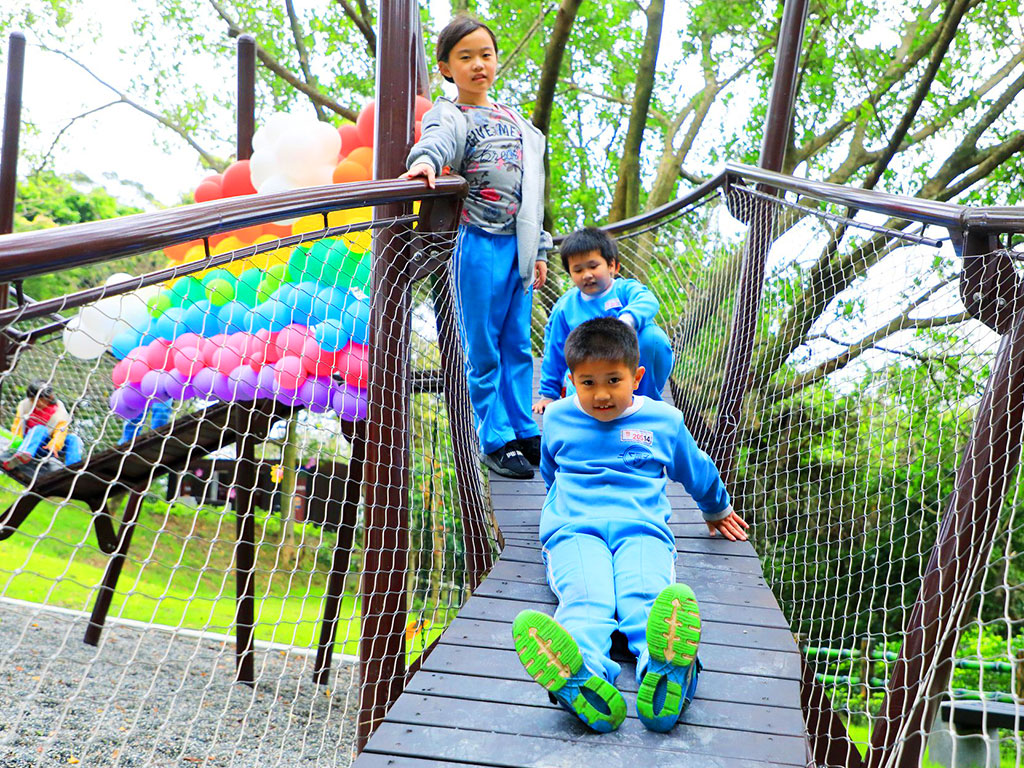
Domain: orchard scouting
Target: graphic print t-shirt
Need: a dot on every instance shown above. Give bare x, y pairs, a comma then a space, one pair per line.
493, 166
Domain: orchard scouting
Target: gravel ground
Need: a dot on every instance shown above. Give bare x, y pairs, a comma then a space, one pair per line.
148, 697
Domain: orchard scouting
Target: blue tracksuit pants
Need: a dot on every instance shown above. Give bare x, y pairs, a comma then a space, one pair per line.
39, 435
606, 575
494, 315
160, 414
655, 356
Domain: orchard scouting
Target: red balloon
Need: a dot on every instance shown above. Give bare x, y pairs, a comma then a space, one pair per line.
157, 355
270, 353
316, 361
137, 366
417, 131
349, 139
423, 105
353, 364
237, 180
225, 359
120, 373
364, 124
207, 191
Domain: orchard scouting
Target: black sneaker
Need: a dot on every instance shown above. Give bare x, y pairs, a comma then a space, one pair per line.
508, 461
530, 446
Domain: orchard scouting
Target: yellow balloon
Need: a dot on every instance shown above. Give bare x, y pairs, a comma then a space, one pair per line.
308, 224
229, 243
360, 241
195, 253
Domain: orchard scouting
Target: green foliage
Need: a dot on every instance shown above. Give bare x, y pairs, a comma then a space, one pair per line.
46, 200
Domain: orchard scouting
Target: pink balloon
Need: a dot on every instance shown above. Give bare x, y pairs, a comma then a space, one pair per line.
352, 363
290, 373
187, 361
269, 339
137, 367
158, 355
225, 360
250, 347
186, 340
316, 361
120, 373
291, 340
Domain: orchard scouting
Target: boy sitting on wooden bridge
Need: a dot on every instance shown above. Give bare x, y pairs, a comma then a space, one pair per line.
608, 549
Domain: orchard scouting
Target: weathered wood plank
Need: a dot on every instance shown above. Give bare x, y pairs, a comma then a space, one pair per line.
556, 724
523, 750
763, 718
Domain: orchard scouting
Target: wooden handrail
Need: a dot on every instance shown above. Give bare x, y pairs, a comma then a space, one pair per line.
35, 253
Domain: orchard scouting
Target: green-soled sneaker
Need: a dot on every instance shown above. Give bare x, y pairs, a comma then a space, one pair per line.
553, 659
673, 635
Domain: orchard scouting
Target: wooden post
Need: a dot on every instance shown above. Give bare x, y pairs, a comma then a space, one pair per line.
759, 238
385, 555
245, 547
9, 157
960, 554
113, 570
246, 117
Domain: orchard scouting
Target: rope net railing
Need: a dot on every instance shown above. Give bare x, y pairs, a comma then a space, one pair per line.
866, 376
239, 384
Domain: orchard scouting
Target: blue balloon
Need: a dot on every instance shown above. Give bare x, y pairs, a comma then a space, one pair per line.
232, 317
356, 320
124, 343
257, 320
201, 318
329, 304
301, 304
170, 324
330, 335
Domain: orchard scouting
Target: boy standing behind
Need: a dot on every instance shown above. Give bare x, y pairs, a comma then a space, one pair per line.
609, 552
591, 258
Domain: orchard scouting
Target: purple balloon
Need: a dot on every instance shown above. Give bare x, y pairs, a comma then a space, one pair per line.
177, 386
223, 389
315, 393
119, 404
153, 385
266, 382
244, 381
203, 382
349, 402
132, 397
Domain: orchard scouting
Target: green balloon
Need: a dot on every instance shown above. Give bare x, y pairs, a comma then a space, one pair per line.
218, 274
354, 271
159, 304
267, 286
280, 271
297, 267
220, 292
318, 264
248, 286
187, 290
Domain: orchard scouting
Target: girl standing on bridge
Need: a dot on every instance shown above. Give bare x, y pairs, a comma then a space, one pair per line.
501, 253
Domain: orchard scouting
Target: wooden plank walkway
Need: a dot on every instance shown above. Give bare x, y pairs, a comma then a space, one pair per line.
472, 703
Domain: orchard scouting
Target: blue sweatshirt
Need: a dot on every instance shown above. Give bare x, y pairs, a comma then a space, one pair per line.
575, 307
617, 470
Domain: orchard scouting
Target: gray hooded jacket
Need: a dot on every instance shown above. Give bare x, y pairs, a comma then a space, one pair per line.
443, 142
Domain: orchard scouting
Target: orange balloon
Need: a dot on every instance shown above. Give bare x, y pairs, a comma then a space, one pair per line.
249, 234
176, 253
363, 156
350, 171
277, 230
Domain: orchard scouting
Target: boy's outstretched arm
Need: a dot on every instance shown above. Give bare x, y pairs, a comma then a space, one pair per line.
641, 304
732, 527
552, 369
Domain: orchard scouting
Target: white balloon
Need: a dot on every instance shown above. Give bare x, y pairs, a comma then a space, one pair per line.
79, 343
276, 184
119, 277
98, 322
330, 142
261, 167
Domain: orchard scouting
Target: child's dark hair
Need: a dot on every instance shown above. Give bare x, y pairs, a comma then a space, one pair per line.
603, 338
587, 240
463, 24
39, 388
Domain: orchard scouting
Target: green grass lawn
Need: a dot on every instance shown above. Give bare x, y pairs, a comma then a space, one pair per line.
178, 572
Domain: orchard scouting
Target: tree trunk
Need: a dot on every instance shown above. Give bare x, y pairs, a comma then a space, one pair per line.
626, 201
